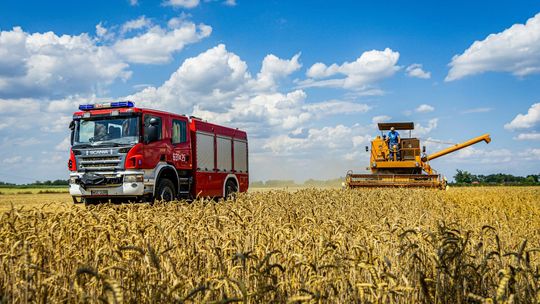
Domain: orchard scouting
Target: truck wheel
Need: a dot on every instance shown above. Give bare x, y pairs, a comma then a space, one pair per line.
230, 189
165, 190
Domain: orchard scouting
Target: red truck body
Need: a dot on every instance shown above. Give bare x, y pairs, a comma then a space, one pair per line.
123, 152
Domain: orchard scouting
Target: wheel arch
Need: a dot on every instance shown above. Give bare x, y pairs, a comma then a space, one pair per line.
166, 171
230, 177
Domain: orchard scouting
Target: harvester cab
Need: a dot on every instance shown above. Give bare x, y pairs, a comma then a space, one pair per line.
403, 163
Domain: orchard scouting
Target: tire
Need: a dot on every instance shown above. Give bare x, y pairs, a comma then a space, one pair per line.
230, 189
165, 190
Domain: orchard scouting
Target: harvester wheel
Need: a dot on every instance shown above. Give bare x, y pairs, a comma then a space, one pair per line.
230, 189
165, 190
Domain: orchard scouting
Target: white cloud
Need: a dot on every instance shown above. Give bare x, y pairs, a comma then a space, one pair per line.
476, 110
530, 154
415, 70
23, 105
12, 160
211, 80
380, 118
217, 86
182, 3
358, 75
64, 145
421, 130
135, 24
524, 121
337, 137
480, 155
528, 136
424, 108
333, 107
230, 2
157, 45
133, 2
101, 31
45, 64
515, 50
274, 68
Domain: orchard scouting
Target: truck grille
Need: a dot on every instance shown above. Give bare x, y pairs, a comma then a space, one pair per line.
100, 163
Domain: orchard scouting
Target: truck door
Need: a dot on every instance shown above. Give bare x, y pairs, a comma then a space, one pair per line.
154, 150
181, 144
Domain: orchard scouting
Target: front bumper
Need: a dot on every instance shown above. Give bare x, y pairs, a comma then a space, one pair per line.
118, 189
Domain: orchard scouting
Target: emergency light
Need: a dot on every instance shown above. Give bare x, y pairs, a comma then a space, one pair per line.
107, 105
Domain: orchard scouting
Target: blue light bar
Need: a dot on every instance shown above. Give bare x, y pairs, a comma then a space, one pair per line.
107, 105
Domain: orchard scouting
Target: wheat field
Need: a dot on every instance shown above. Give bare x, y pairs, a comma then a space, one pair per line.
465, 245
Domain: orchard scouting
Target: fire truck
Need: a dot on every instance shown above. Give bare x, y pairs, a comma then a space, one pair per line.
120, 152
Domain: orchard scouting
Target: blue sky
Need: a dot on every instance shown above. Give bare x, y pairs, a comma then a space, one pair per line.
306, 79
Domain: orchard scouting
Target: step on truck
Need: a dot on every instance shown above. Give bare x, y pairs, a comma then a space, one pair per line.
120, 152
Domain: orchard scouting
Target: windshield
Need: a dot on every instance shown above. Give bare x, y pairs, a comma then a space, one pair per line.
107, 130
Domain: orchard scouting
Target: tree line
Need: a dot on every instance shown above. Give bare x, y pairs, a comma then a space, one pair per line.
463, 177
47, 183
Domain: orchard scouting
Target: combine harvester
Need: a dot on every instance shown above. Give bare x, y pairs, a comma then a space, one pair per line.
403, 165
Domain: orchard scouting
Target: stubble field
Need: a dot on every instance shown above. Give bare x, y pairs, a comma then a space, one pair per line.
465, 245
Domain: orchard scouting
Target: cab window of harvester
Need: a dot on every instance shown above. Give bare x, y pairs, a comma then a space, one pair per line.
179, 132
147, 119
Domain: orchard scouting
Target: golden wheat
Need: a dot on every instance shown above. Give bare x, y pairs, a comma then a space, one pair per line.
478, 245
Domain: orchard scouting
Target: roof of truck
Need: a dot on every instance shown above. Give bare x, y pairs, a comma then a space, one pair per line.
397, 125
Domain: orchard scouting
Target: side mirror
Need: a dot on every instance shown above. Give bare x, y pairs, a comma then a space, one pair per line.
72, 125
152, 133
154, 121
424, 149
367, 149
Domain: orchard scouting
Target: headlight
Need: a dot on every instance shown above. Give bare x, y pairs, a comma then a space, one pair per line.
73, 180
134, 178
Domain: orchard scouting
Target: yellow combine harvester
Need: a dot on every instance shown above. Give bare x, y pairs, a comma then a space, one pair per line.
403, 165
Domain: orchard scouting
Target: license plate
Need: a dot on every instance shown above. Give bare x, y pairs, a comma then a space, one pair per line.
99, 192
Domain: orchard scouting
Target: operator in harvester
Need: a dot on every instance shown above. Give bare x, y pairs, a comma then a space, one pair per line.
393, 140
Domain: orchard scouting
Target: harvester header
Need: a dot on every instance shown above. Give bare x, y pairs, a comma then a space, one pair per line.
398, 161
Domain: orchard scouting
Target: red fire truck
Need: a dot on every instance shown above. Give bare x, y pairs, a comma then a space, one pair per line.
121, 152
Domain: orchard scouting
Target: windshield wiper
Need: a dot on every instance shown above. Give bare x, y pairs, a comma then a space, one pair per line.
82, 146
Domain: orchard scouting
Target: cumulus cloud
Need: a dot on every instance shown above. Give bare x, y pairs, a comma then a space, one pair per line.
45, 64
48, 65
357, 75
230, 2
24, 105
424, 108
331, 137
515, 50
12, 160
380, 118
525, 121
182, 3
333, 107
480, 155
133, 2
64, 145
216, 85
101, 31
274, 68
416, 70
135, 24
528, 136
157, 45
421, 130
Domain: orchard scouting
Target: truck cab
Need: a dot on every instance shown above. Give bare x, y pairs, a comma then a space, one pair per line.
121, 152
